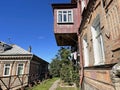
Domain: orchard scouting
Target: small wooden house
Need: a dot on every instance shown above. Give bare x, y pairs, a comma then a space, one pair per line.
19, 67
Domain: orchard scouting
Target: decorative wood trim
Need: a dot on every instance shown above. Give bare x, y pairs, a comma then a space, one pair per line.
110, 1
15, 57
96, 6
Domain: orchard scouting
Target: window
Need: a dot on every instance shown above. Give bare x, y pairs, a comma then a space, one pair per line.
20, 69
86, 51
6, 69
64, 16
97, 42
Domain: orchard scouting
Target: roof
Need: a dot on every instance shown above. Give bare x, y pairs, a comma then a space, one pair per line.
63, 5
73, 1
14, 49
39, 59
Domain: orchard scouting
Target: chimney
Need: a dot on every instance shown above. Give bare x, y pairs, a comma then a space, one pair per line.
29, 49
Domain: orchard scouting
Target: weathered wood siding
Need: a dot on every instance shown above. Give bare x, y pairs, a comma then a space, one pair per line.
98, 77
13, 81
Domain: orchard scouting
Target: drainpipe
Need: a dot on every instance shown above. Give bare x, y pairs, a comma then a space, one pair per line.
81, 61
115, 76
80, 45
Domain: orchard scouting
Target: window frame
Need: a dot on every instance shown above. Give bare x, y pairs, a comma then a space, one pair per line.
18, 68
66, 14
5, 69
99, 53
83, 4
86, 51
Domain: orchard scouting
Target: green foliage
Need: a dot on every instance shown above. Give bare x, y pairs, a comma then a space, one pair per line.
55, 68
61, 66
76, 77
66, 73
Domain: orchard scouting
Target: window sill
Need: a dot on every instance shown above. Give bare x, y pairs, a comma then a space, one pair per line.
100, 66
6, 75
66, 23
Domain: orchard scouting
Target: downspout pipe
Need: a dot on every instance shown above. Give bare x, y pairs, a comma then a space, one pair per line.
81, 61
80, 44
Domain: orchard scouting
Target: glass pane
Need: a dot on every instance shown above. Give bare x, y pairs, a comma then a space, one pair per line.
20, 64
65, 18
7, 64
60, 18
64, 11
59, 12
69, 12
97, 29
100, 46
69, 18
20, 70
6, 71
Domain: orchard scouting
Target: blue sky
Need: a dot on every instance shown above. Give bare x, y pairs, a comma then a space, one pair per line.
29, 22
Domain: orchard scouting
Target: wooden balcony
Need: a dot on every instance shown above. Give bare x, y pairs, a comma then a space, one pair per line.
66, 39
65, 29
66, 35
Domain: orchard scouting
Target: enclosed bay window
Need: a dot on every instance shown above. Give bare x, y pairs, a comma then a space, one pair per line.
65, 16
97, 42
6, 69
20, 69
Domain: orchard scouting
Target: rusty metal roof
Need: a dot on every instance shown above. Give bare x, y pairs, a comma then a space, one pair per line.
13, 50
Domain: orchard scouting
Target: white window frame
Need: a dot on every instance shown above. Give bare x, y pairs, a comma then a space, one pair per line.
18, 67
85, 51
66, 14
83, 4
98, 48
5, 69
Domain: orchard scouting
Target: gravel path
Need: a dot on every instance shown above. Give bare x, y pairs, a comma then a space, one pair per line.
55, 84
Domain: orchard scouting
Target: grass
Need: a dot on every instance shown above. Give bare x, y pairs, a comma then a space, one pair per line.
45, 85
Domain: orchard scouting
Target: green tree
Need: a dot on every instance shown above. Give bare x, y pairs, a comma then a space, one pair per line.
63, 67
55, 68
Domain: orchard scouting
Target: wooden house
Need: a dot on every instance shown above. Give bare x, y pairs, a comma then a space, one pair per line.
98, 41
19, 67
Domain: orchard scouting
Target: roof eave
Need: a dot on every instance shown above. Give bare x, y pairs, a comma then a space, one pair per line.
64, 5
